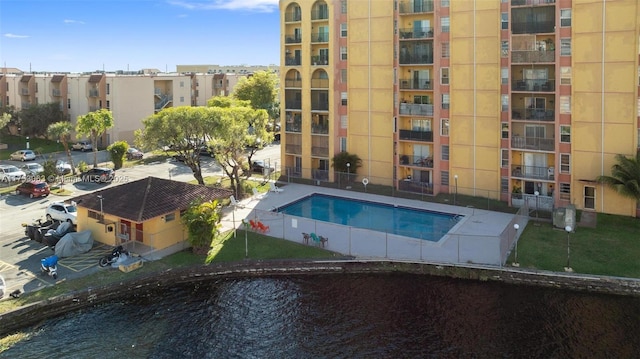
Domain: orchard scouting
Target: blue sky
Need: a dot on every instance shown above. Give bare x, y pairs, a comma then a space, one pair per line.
89, 35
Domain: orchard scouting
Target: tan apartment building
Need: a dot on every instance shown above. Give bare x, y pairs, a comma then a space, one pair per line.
525, 101
131, 97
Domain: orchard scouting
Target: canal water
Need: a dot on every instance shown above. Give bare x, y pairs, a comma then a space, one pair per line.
345, 316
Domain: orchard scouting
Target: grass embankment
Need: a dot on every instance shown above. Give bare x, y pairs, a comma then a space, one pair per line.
39, 145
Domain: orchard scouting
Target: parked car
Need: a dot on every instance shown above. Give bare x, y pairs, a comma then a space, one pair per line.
63, 167
98, 175
82, 146
23, 155
11, 173
61, 211
134, 154
260, 167
33, 169
33, 188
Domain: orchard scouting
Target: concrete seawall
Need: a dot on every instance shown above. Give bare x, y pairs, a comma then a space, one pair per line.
37, 312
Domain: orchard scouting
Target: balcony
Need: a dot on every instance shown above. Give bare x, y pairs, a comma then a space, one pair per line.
319, 37
320, 151
533, 143
293, 149
293, 83
531, 2
321, 128
292, 61
415, 186
319, 60
24, 91
532, 114
292, 39
320, 14
531, 56
293, 16
416, 161
94, 93
56, 93
543, 85
419, 33
320, 83
411, 135
294, 125
94, 108
416, 109
411, 59
293, 104
416, 6
533, 27
417, 84
532, 172
317, 105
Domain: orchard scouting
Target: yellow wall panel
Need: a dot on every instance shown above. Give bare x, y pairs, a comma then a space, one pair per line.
461, 130
461, 51
589, 14
461, 25
382, 101
488, 78
462, 103
620, 108
621, 77
461, 159
487, 105
587, 47
619, 46
587, 77
488, 51
619, 15
619, 138
586, 136
461, 77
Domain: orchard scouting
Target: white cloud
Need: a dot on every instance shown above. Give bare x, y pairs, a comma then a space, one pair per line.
67, 21
250, 5
14, 36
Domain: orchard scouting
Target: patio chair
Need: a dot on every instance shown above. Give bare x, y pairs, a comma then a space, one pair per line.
257, 194
235, 203
274, 188
316, 239
254, 225
262, 227
305, 238
323, 240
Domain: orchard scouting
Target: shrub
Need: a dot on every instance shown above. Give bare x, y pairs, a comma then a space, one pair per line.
118, 150
83, 167
202, 220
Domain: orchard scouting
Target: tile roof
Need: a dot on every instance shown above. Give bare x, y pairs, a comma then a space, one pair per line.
57, 78
148, 198
95, 78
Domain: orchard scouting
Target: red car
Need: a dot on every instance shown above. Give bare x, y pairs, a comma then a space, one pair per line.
33, 188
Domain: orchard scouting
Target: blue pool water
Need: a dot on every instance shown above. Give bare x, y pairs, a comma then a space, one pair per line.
404, 221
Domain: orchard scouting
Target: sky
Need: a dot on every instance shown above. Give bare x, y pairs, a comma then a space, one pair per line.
129, 35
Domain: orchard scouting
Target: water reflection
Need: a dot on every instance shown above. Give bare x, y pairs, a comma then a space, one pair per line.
346, 316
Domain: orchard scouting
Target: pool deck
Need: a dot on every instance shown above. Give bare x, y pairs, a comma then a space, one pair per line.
476, 223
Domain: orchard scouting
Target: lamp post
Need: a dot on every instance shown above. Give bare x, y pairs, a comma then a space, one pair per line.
515, 238
348, 174
455, 194
233, 215
101, 212
568, 267
536, 193
27, 138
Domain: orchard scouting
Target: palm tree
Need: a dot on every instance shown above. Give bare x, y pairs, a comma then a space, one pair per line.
625, 176
62, 131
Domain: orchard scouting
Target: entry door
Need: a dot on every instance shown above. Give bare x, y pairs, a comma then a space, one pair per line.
535, 165
421, 79
421, 27
139, 232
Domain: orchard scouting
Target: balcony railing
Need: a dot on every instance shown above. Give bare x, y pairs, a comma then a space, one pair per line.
94, 108
407, 59
320, 129
532, 27
416, 85
419, 33
416, 6
293, 104
292, 82
534, 172
320, 83
25, 104
532, 114
320, 14
24, 91
319, 105
531, 2
56, 92
415, 186
292, 61
94, 93
416, 109
412, 135
531, 56
319, 151
295, 126
292, 16
533, 143
319, 60
293, 149
533, 85
292, 39
320, 37
538, 202
416, 161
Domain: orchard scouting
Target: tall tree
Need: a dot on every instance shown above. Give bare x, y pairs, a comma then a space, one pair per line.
261, 90
185, 130
625, 176
61, 131
93, 125
35, 119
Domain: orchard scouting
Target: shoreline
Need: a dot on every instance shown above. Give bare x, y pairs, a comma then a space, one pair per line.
34, 313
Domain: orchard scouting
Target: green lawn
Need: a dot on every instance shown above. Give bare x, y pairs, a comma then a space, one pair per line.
612, 248
41, 146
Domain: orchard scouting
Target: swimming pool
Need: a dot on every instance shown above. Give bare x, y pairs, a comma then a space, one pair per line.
400, 220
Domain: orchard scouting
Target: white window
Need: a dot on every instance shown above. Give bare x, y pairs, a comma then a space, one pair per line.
444, 127
565, 163
445, 49
504, 185
343, 98
565, 75
504, 48
444, 76
505, 130
445, 152
444, 24
565, 133
444, 178
565, 17
445, 100
444, 3
504, 75
343, 52
565, 191
343, 144
505, 103
504, 162
504, 21
181, 98
344, 121
589, 197
565, 47
565, 104
343, 30
343, 6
